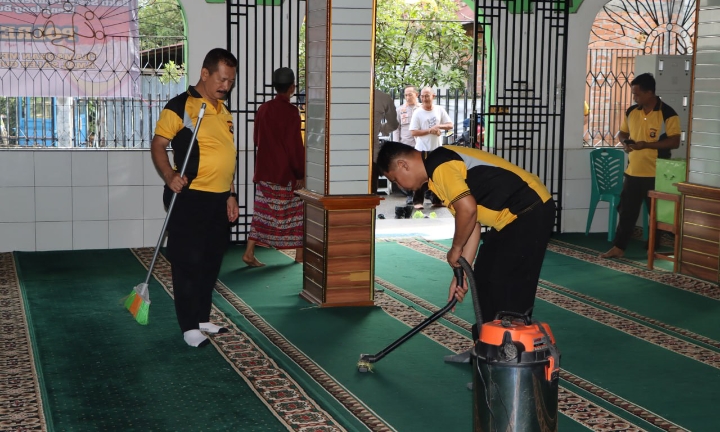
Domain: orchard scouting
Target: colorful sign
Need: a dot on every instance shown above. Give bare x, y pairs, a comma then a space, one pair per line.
62, 48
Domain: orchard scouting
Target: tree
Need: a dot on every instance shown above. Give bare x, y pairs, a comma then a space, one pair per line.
422, 43
161, 23
172, 72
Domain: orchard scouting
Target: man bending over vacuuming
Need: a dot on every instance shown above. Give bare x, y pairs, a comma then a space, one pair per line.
480, 188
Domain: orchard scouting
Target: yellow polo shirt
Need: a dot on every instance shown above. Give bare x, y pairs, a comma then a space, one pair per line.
211, 166
502, 190
648, 128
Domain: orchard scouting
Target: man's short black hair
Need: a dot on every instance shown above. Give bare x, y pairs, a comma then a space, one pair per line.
217, 55
410, 86
645, 81
282, 79
389, 151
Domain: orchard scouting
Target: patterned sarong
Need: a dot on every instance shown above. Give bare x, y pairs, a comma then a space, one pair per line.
278, 217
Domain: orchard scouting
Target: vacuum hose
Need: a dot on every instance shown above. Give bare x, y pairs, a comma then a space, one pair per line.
472, 287
364, 364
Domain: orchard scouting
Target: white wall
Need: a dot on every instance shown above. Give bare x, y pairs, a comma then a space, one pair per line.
63, 200
576, 184
94, 199
84, 199
207, 30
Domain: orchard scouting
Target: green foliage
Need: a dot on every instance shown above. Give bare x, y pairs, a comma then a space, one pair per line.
172, 72
301, 57
161, 23
421, 43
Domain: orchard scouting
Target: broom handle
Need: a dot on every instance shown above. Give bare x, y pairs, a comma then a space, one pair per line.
175, 194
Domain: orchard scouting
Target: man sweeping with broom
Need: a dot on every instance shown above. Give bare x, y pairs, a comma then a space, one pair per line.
198, 229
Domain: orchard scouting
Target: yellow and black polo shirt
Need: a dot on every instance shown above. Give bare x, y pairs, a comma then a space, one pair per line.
648, 128
211, 166
502, 190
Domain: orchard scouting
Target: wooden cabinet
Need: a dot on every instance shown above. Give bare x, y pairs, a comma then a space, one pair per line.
339, 252
700, 241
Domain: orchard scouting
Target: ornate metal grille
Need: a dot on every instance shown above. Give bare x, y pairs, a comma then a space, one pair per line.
623, 30
525, 61
265, 35
74, 74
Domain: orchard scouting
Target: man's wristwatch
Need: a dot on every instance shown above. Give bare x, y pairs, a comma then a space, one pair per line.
234, 195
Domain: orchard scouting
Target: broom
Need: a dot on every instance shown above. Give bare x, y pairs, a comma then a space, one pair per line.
138, 302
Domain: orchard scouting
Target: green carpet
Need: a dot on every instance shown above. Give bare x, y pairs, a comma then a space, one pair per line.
626, 365
640, 349
334, 338
102, 371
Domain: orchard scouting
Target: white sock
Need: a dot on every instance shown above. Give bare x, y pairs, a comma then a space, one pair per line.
195, 338
212, 328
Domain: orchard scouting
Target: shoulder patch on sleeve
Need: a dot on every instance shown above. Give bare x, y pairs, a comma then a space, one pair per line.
667, 111
629, 110
177, 104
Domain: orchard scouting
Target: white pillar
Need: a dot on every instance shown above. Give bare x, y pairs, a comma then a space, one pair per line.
64, 120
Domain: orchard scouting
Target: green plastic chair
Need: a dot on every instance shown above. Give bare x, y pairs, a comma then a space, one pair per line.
606, 169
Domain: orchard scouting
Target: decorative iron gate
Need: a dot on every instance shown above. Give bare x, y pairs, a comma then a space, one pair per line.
623, 30
523, 102
264, 35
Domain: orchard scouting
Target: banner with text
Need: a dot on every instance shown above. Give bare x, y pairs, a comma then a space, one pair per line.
61, 48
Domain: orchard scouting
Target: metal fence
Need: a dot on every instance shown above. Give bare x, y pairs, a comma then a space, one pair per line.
607, 93
95, 122
94, 91
457, 103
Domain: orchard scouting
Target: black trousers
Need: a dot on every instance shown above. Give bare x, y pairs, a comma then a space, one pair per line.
507, 268
198, 236
634, 192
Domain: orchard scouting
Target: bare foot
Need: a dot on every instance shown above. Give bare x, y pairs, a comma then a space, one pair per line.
615, 252
252, 262
299, 255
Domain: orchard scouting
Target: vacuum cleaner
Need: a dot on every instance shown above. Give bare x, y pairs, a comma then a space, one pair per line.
516, 368
366, 360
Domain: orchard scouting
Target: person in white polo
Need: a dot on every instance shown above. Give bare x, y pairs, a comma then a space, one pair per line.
427, 125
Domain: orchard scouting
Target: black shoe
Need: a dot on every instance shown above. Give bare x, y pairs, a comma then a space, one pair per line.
408, 211
399, 212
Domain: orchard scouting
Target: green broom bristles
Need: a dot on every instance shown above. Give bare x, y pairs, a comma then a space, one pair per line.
138, 307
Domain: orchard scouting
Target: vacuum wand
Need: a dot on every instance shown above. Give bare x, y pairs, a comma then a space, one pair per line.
367, 359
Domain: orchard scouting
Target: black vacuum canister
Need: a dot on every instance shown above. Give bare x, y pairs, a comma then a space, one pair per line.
516, 374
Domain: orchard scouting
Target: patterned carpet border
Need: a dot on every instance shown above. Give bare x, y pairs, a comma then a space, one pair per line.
570, 404
284, 397
436, 250
623, 265
698, 353
21, 407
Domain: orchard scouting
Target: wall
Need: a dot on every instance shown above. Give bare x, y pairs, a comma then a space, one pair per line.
206, 30
576, 185
338, 126
704, 160
37, 188
91, 199
94, 199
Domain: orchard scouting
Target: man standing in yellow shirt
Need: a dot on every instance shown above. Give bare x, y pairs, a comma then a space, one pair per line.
640, 134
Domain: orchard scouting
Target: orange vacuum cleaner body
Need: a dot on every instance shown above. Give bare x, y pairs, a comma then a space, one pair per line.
525, 336
516, 376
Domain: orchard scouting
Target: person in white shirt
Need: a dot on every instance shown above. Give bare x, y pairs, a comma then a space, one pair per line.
404, 115
402, 133
427, 124
384, 123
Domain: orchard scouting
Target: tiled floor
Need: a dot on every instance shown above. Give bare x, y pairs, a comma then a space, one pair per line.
439, 227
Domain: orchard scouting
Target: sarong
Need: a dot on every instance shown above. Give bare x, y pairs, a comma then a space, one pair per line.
278, 217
